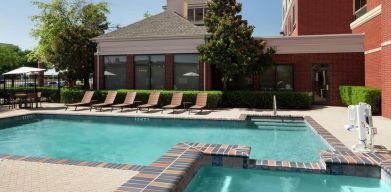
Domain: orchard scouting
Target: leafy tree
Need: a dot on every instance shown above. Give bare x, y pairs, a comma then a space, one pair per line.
231, 47
12, 57
147, 14
55, 21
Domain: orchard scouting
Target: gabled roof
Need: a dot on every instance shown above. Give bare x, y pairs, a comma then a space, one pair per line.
196, 2
164, 25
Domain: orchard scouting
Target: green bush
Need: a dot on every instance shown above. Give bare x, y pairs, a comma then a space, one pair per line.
52, 94
264, 100
71, 96
352, 95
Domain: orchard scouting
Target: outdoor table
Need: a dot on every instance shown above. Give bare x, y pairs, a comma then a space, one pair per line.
186, 105
23, 98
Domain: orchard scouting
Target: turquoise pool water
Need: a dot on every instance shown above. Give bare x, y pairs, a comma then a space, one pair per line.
141, 140
217, 179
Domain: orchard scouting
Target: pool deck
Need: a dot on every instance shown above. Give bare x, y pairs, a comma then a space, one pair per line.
176, 168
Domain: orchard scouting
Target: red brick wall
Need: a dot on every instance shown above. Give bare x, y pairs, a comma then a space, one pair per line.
169, 71
101, 72
373, 72
130, 71
208, 78
324, 17
373, 3
372, 30
386, 59
345, 69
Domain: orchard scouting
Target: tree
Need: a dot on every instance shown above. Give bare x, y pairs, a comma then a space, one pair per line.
55, 21
12, 57
147, 14
231, 47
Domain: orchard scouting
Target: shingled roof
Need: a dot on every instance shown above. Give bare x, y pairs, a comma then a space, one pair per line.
164, 25
192, 2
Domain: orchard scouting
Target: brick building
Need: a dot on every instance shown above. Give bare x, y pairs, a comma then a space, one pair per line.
160, 52
373, 18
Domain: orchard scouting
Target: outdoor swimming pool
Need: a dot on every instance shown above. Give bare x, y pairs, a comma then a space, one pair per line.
141, 141
217, 179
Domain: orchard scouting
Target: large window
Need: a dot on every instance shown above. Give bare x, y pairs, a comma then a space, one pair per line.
115, 72
360, 8
149, 71
278, 77
196, 14
186, 72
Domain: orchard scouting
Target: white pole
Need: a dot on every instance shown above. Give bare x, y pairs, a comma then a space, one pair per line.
97, 68
274, 105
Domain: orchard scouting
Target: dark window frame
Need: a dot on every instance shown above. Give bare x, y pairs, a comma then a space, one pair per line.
173, 70
104, 68
275, 75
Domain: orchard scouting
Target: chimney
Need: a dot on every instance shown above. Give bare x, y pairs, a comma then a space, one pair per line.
178, 6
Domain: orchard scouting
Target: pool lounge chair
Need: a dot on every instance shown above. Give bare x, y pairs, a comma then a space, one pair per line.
201, 102
86, 101
152, 102
109, 101
176, 102
129, 101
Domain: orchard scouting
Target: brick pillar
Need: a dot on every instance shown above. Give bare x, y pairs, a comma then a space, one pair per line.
386, 59
101, 72
208, 78
257, 82
41, 75
130, 72
169, 66
95, 72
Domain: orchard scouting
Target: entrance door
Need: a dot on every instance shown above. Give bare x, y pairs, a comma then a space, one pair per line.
320, 83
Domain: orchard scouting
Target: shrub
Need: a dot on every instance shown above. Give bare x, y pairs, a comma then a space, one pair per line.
71, 96
264, 100
352, 95
52, 94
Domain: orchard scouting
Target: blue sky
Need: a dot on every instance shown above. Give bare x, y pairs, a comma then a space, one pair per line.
16, 25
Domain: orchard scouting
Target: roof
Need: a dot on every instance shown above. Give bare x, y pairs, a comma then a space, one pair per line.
164, 25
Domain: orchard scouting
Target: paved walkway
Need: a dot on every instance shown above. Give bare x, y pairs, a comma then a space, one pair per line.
22, 176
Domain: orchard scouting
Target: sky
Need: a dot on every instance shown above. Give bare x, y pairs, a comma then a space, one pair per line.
16, 24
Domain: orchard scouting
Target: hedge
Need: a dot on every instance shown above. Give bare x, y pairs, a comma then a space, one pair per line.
214, 97
242, 99
52, 94
264, 100
352, 95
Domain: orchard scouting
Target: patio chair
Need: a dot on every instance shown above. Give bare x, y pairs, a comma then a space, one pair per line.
86, 101
176, 102
201, 102
152, 102
109, 101
129, 101
31, 99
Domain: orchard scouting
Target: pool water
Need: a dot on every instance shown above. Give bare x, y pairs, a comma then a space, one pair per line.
217, 179
143, 140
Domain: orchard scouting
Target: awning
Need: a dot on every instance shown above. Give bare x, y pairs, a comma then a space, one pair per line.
24, 70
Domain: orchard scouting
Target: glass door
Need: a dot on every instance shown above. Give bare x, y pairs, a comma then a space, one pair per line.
320, 83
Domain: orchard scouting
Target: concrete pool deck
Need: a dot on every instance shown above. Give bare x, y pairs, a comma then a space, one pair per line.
331, 118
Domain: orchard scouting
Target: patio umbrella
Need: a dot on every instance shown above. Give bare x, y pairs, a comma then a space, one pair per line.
108, 73
191, 74
23, 70
51, 72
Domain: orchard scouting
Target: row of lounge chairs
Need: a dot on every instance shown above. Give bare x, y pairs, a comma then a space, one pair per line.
130, 101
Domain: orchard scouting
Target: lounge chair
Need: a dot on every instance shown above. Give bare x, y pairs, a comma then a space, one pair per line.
152, 102
201, 102
109, 101
129, 101
86, 101
176, 102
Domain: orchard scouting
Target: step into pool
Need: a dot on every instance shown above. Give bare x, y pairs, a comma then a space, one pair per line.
217, 179
141, 141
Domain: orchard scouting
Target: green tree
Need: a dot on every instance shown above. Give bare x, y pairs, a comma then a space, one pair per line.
147, 14
12, 57
55, 21
231, 47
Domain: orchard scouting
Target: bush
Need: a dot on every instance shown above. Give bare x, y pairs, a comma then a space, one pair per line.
52, 94
264, 100
71, 96
353, 95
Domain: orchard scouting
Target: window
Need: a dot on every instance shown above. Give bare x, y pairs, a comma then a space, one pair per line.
240, 82
186, 72
115, 72
149, 71
199, 14
294, 16
278, 77
360, 8
190, 14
